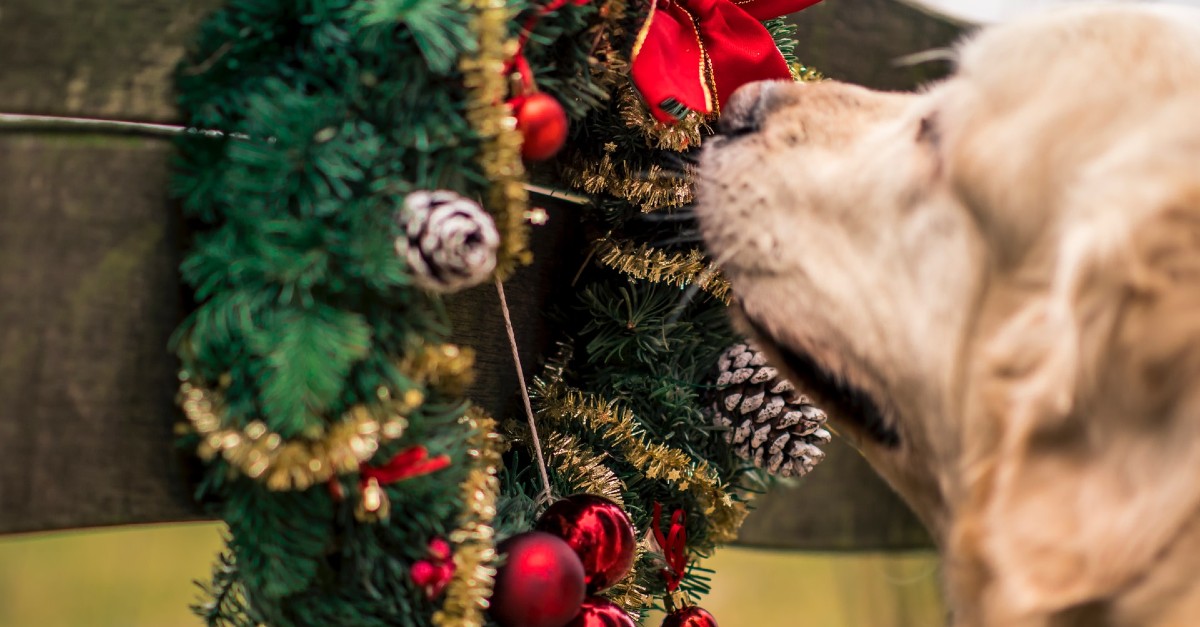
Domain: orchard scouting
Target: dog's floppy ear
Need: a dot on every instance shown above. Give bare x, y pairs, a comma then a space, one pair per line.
1085, 449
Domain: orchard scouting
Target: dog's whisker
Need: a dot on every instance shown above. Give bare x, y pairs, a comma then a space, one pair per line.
691, 237
661, 174
679, 215
689, 294
948, 55
681, 158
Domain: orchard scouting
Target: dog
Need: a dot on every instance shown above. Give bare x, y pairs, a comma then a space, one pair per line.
993, 285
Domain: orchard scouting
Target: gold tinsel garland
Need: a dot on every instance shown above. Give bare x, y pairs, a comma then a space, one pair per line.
680, 136
679, 269
470, 588
341, 447
652, 188
493, 122
582, 469
618, 426
628, 594
299, 463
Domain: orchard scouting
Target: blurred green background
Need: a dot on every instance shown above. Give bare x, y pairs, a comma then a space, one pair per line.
142, 577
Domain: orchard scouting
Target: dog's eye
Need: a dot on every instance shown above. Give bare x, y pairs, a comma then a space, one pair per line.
927, 130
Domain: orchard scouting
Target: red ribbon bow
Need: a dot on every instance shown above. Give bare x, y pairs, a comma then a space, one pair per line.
689, 49
674, 546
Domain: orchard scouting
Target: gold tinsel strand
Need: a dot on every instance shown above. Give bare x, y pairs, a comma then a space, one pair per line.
680, 136
628, 593
618, 426
679, 269
582, 469
470, 588
651, 189
609, 67
805, 74
447, 367
299, 463
493, 122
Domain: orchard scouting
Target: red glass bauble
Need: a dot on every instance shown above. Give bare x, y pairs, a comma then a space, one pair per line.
601, 613
540, 583
599, 531
543, 125
690, 617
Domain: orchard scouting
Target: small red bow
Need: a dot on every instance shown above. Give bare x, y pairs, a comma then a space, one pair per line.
689, 49
433, 575
408, 463
674, 546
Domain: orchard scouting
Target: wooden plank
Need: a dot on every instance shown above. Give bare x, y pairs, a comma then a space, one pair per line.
88, 272
94, 58
113, 58
89, 252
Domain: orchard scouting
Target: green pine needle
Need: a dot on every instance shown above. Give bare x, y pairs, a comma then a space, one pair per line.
308, 353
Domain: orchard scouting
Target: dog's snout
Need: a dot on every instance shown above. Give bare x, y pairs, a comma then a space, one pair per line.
744, 111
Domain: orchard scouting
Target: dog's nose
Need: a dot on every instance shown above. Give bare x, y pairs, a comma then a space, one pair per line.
744, 111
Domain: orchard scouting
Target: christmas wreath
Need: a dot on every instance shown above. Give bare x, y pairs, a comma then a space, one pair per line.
348, 162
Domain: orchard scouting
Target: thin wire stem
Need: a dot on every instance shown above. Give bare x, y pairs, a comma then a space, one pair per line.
512, 341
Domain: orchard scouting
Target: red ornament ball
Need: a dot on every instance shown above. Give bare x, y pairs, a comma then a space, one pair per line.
540, 583
543, 123
599, 531
690, 617
601, 613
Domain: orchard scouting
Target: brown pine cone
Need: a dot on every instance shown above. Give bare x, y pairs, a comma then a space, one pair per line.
768, 422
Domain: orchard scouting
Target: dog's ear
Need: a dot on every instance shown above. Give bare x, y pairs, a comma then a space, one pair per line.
1084, 456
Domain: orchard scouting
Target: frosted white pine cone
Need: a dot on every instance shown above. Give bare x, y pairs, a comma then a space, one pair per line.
449, 241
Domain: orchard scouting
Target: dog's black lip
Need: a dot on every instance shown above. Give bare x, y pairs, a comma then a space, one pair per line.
857, 407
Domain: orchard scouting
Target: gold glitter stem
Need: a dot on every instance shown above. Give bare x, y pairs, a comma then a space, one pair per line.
679, 269
474, 556
651, 188
494, 124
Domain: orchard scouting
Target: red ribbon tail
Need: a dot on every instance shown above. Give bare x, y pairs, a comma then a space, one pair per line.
411, 462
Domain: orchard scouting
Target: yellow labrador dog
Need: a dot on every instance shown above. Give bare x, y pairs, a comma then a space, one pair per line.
995, 285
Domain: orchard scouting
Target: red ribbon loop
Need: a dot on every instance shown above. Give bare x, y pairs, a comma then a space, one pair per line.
674, 546
695, 53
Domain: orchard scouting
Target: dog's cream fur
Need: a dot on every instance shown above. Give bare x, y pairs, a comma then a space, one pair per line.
1008, 264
